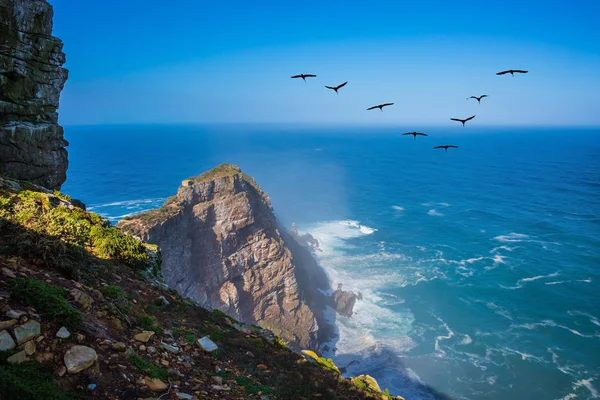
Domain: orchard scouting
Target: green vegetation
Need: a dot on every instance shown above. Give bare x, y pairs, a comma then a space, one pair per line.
328, 363
153, 371
280, 342
252, 387
27, 382
63, 196
149, 323
190, 337
35, 227
113, 244
217, 172
46, 298
113, 292
258, 343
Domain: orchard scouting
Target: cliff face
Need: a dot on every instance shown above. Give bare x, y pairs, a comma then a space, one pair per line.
32, 145
221, 247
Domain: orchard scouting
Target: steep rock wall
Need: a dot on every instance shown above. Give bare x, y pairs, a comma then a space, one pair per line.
32, 144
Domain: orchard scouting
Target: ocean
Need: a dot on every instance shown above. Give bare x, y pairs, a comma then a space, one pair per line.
479, 266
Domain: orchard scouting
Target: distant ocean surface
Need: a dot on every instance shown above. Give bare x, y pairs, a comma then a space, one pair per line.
479, 266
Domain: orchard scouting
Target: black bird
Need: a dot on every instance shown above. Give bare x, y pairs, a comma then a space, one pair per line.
463, 120
512, 72
414, 134
380, 106
336, 87
304, 76
478, 98
446, 147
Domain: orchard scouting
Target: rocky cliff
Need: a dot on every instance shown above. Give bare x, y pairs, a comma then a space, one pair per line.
221, 246
32, 145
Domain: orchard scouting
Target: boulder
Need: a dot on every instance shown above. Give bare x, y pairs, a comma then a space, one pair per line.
156, 385
18, 358
63, 333
27, 331
78, 358
84, 300
6, 341
144, 336
207, 345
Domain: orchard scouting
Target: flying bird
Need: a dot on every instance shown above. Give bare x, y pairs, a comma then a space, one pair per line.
336, 87
304, 76
380, 106
512, 72
446, 147
463, 120
414, 134
478, 98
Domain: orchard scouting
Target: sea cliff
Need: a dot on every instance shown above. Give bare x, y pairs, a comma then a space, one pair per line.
32, 144
223, 248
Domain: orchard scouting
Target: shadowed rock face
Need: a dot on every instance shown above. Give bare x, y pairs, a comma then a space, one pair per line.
221, 247
32, 144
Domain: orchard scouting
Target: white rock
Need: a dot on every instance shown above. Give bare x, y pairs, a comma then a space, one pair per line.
63, 333
207, 345
15, 314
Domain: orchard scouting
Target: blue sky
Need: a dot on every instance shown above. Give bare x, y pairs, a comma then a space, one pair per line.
193, 61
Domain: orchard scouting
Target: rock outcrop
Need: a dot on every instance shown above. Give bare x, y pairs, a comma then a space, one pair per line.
221, 247
32, 144
343, 301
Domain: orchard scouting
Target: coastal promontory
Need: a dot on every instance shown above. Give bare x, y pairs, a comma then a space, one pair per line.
222, 247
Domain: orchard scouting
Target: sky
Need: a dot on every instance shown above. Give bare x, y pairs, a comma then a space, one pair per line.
195, 61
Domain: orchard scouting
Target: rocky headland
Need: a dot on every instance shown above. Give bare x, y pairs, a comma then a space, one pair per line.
223, 248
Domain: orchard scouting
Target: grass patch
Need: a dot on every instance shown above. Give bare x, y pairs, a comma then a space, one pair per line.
148, 323
190, 337
257, 343
48, 299
113, 292
27, 382
251, 386
148, 368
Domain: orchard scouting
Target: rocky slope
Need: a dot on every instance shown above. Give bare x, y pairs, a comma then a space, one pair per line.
221, 247
85, 314
32, 144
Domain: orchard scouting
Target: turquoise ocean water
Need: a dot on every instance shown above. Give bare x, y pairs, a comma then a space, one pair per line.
479, 266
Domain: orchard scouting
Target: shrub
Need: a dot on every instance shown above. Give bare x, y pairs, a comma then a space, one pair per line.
113, 244
26, 382
48, 299
113, 292
150, 369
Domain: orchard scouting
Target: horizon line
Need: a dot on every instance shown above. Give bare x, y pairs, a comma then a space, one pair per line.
326, 124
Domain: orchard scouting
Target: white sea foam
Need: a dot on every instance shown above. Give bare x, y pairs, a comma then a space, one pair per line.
507, 248
434, 212
512, 237
126, 203
535, 278
588, 280
552, 324
522, 281
466, 340
438, 339
398, 208
434, 204
587, 383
